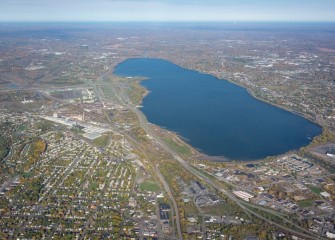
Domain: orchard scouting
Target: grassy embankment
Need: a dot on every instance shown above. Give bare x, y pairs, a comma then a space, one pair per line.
180, 149
101, 141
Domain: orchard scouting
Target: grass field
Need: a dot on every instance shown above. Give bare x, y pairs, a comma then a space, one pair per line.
315, 190
305, 203
222, 209
190, 209
21, 128
149, 186
101, 141
184, 150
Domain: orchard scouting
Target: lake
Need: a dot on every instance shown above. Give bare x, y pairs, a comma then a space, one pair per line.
217, 117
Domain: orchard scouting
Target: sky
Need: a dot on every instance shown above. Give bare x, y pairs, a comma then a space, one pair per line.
167, 10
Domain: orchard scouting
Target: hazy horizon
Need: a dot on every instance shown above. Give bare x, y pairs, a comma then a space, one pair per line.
167, 11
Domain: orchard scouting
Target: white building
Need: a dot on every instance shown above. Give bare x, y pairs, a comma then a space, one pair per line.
325, 194
330, 235
244, 195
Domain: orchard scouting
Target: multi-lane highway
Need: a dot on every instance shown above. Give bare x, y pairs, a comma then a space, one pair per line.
247, 207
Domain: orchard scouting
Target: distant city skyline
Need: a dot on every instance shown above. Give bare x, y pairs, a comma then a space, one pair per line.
168, 10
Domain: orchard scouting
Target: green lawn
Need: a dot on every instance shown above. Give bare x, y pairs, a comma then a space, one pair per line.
21, 128
101, 141
190, 209
315, 190
149, 186
181, 149
305, 203
222, 209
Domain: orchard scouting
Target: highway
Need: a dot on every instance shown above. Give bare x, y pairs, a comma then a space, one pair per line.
244, 205
8, 183
122, 97
175, 206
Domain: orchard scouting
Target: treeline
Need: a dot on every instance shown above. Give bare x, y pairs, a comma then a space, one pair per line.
38, 147
6, 130
4, 147
326, 137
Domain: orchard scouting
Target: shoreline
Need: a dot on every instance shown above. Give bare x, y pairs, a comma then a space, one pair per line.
250, 93
203, 156
282, 107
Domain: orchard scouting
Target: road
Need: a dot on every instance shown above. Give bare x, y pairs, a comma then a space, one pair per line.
63, 175
175, 206
8, 183
123, 99
244, 205
302, 232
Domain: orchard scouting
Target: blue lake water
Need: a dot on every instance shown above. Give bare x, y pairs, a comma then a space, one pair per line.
217, 117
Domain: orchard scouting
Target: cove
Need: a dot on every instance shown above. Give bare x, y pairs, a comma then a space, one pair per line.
217, 117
